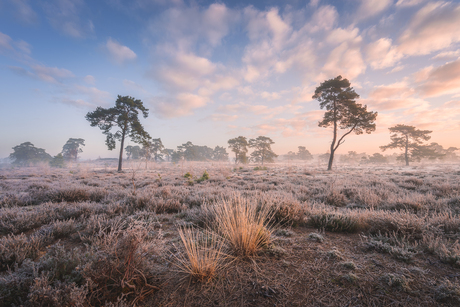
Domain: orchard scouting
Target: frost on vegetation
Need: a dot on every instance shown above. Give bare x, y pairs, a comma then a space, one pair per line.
316, 237
396, 281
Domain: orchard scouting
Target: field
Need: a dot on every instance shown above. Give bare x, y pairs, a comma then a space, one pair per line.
161, 235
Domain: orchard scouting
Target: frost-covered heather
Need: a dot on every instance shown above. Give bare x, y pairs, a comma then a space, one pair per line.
65, 234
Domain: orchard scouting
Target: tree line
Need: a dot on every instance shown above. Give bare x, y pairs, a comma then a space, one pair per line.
335, 95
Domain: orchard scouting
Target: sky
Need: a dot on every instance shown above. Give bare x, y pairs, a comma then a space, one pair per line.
211, 71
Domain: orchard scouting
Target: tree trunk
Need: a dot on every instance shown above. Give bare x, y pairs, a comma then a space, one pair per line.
406, 155
120, 158
331, 160
334, 139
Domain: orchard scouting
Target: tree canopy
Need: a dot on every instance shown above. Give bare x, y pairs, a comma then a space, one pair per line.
239, 146
409, 139
71, 148
304, 154
262, 150
26, 153
342, 112
124, 116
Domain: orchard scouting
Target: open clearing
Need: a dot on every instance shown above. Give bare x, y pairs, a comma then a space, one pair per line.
357, 236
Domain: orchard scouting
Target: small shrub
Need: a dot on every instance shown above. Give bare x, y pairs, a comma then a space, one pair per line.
316, 237
283, 233
334, 254
336, 198
349, 265
396, 281
399, 248
188, 175
260, 168
203, 177
350, 277
447, 292
334, 222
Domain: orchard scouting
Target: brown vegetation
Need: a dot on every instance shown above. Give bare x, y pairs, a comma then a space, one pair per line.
290, 236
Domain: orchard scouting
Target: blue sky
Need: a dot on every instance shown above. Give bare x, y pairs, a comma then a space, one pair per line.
210, 71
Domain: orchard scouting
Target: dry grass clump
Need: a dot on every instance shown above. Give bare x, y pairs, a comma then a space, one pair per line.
243, 224
204, 254
123, 259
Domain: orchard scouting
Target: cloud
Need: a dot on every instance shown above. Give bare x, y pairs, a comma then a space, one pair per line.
407, 3
64, 16
94, 95
434, 27
118, 52
399, 89
89, 80
441, 80
23, 11
216, 117
369, 8
449, 55
133, 85
79, 103
182, 104
5, 42
324, 18
44, 73
381, 54
186, 26
345, 60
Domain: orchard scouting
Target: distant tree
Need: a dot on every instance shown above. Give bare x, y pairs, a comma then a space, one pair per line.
57, 161
262, 150
409, 139
188, 151
26, 153
304, 154
291, 155
154, 147
123, 115
239, 146
71, 148
378, 158
133, 152
168, 153
324, 157
177, 156
220, 154
343, 112
450, 154
432, 151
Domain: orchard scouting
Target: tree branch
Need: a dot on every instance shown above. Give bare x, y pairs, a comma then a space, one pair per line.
341, 141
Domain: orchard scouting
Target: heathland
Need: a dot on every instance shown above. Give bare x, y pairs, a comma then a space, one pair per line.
216, 234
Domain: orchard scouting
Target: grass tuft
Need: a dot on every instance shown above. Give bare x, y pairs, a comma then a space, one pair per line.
243, 224
204, 254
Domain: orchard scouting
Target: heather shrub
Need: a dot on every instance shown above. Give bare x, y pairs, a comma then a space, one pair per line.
448, 292
335, 222
124, 262
14, 249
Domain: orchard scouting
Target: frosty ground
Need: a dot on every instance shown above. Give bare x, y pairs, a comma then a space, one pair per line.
86, 235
